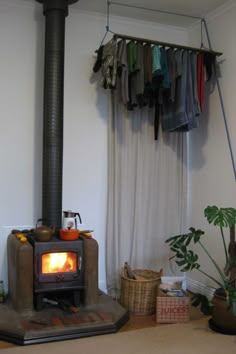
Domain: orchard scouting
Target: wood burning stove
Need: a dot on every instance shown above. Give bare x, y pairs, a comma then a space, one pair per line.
53, 269
58, 267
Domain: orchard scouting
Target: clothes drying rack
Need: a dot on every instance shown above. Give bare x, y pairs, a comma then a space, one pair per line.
166, 44
177, 46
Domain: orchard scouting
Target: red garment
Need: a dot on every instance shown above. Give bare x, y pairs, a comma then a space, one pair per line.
200, 80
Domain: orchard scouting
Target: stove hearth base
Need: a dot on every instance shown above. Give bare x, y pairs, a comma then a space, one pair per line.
54, 324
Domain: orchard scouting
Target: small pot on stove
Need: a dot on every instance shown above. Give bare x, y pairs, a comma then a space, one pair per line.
69, 234
43, 233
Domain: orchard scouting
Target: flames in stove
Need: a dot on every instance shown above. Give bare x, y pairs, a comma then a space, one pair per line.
58, 262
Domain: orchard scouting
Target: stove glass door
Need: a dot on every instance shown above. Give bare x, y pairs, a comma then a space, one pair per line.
59, 262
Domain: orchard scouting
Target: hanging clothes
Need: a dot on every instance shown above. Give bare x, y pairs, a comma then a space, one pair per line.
156, 60
209, 62
190, 107
157, 82
132, 68
169, 81
164, 69
193, 61
178, 58
200, 80
132, 56
147, 64
122, 73
174, 113
139, 84
157, 74
135, 54
181, 115
98, 63
161, 85
109, 64
171, 62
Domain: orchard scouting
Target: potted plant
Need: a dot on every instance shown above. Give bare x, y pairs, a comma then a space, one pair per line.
224, 301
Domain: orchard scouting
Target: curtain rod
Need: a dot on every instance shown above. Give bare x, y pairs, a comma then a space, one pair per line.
165, 44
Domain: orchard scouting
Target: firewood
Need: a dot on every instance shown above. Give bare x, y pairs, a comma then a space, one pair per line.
128, 271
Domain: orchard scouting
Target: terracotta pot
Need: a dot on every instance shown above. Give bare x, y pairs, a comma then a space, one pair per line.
69, 235
221, 316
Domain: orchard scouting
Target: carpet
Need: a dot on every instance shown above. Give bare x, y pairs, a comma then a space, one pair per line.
193, 337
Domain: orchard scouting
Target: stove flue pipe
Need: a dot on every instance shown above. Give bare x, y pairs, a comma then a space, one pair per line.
55, 12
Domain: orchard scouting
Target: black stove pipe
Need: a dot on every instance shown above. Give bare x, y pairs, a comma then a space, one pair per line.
55, 12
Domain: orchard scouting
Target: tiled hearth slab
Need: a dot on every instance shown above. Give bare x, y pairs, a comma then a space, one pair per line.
54, 324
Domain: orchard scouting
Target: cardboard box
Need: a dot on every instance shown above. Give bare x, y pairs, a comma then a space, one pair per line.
172, 309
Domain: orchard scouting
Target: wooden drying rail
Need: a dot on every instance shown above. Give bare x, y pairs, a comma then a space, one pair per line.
164, 44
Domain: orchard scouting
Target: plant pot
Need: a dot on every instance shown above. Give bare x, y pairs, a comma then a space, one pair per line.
222, 318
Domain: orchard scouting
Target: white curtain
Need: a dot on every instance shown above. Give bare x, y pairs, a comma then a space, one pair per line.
146, 193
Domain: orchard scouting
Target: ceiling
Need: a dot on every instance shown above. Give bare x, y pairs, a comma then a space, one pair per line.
198, 8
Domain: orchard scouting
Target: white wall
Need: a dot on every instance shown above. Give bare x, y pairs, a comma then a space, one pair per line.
212, 181
85, 117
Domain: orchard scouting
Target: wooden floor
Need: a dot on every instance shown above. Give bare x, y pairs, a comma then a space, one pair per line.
135, 322
6, 345
138, 322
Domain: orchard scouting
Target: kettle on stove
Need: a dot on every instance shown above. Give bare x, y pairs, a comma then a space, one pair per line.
70, 219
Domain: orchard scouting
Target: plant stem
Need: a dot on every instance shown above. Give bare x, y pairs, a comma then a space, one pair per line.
214, 262
223, 238
172, 257
216, 281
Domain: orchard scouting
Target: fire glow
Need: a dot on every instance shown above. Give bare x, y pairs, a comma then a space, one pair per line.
58, 262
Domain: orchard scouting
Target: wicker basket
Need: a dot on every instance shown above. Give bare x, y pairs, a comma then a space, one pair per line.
139, 296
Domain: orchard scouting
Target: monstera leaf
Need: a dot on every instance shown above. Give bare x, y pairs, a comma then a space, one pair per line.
187, 260
206, 306
185, 257
222, 217
181, 242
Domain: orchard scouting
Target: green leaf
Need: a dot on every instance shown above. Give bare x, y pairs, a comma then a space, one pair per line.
180, 263
222, 217
188, 240
196, 302
173, 239
185, 269
191, 254
174, 249
202, 300
185, 257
